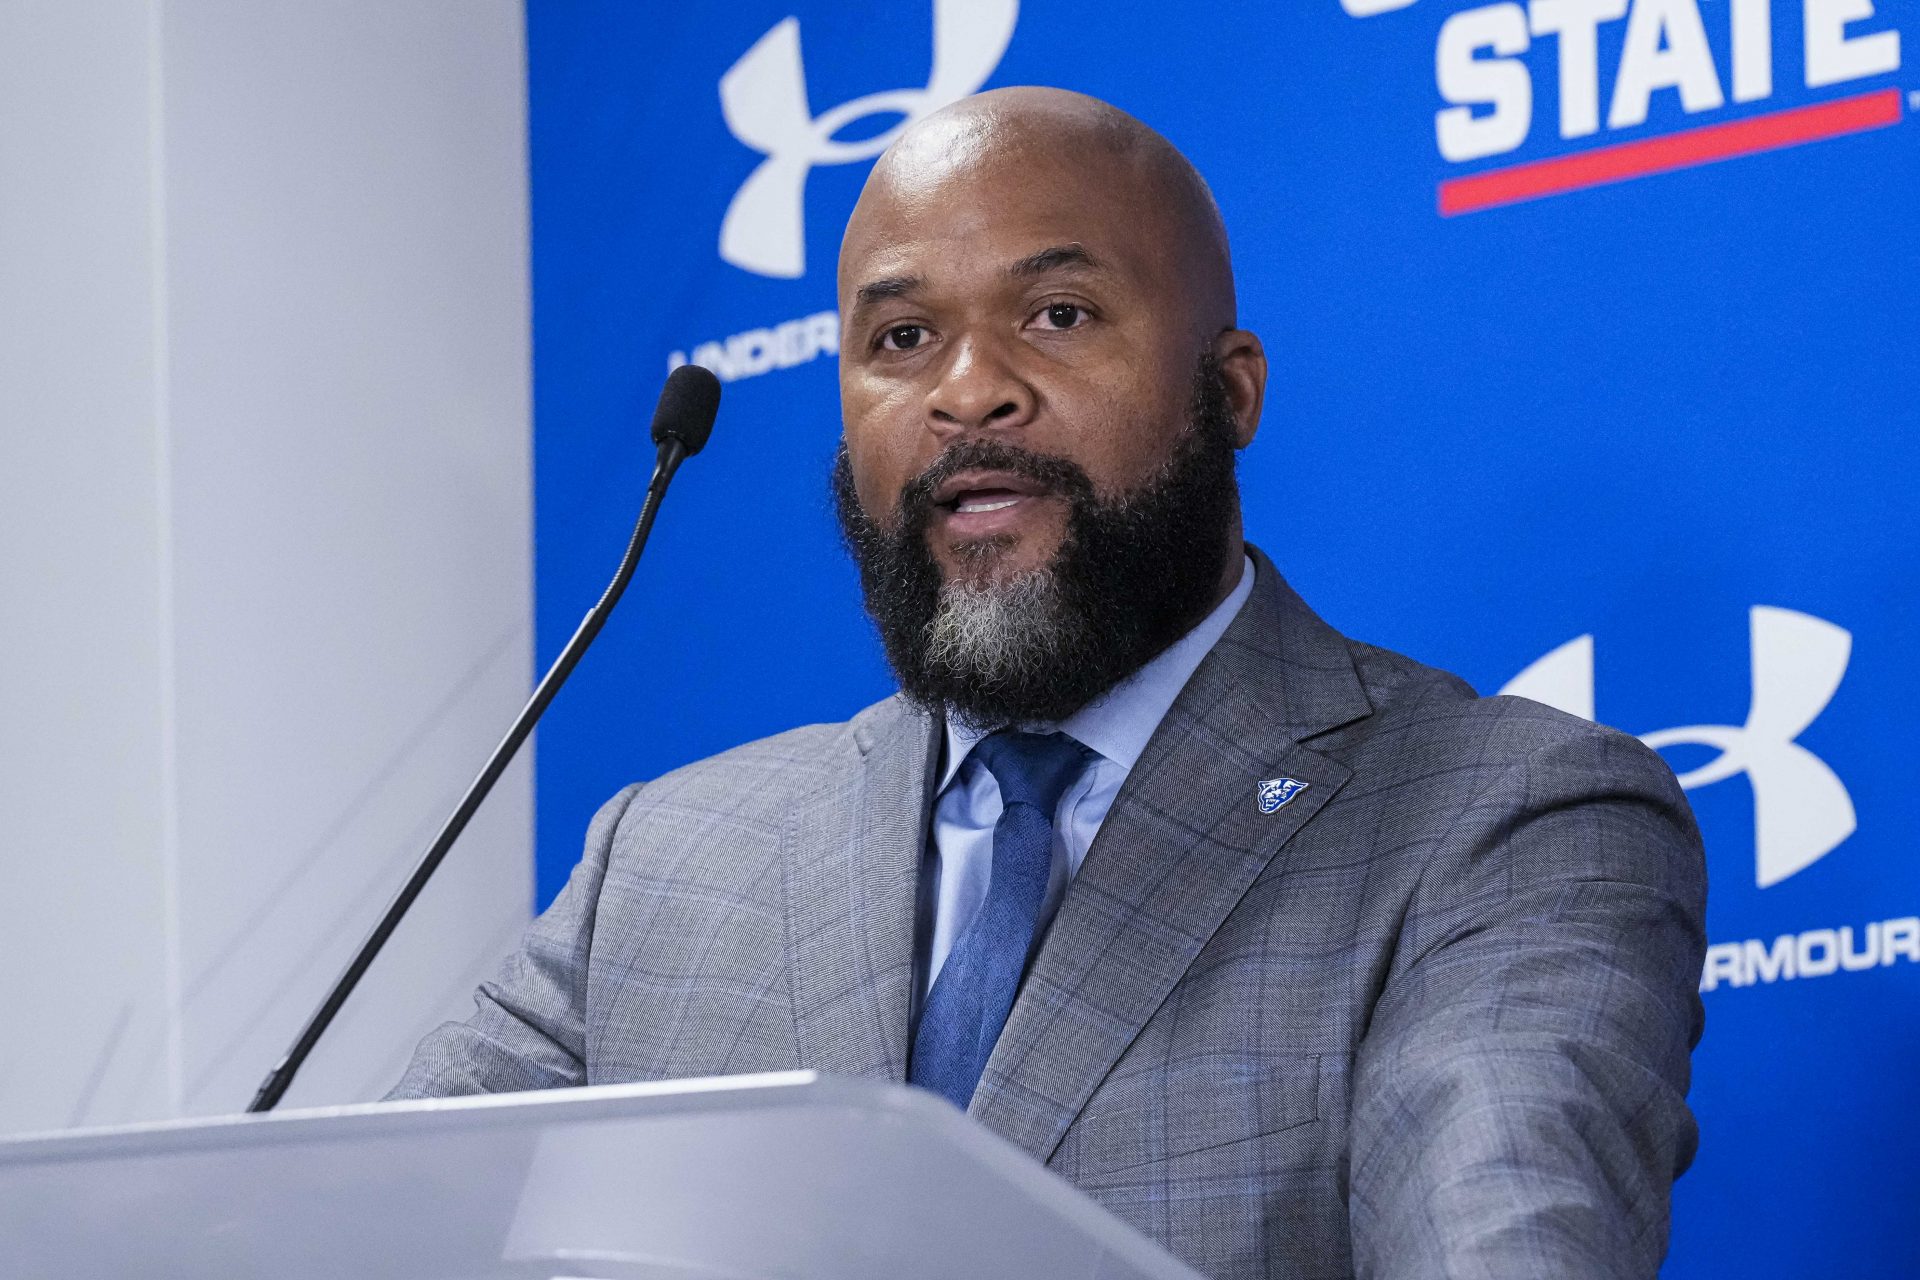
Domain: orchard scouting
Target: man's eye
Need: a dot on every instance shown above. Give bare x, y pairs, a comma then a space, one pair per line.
903, 337
1065, 315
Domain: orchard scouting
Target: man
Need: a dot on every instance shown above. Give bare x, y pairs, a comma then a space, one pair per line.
1288, 950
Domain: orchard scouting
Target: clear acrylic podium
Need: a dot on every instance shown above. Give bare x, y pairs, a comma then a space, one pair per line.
793, 1176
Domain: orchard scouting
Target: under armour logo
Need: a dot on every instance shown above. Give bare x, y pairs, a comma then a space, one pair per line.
764, 99
1801, 810
1275, 792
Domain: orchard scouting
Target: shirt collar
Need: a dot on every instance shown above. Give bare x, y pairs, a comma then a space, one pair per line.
1118, 723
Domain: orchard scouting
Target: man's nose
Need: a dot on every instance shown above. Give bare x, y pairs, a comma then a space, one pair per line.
978, 389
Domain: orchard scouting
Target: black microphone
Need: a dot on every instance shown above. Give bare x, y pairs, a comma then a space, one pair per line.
681, 423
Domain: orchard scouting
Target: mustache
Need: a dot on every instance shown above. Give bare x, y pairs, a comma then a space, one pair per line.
914, 508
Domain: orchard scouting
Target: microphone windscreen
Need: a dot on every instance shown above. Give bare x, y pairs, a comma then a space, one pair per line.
687, 407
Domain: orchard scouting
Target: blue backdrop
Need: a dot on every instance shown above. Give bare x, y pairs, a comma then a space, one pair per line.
1659, 433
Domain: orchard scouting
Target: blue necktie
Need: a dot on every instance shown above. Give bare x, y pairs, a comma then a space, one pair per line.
974, 993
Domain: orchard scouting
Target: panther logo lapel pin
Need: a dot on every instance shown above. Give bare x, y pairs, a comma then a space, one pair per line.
1275, 792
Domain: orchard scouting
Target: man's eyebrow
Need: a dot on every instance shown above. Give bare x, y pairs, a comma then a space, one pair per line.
884, 288
1060, 257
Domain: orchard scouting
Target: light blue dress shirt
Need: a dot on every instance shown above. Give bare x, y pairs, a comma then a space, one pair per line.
1116, 727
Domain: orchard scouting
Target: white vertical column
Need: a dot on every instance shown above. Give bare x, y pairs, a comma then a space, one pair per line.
347, 267
82, 733
265, 533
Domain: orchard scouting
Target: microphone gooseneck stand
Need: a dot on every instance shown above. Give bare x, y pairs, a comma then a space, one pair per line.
681, 424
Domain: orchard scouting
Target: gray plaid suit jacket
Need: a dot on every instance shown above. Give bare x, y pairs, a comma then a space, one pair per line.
1430, 1018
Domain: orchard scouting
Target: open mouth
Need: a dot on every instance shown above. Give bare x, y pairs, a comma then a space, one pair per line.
974, 493
981, 501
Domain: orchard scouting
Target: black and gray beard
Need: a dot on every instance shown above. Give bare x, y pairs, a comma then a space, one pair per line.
1133, 575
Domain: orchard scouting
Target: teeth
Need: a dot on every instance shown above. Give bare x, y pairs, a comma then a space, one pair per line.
987, 506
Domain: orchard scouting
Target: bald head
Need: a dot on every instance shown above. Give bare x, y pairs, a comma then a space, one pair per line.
1040, 144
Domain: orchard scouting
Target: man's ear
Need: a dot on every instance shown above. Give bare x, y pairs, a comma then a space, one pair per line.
1243, 367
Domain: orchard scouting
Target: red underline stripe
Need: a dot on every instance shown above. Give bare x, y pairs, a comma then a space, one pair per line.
1674, 151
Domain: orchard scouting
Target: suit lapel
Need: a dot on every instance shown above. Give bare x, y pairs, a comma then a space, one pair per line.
1185, 839
851, 869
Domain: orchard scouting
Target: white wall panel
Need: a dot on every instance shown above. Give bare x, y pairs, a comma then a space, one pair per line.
82, 802
349, 326
264, 337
